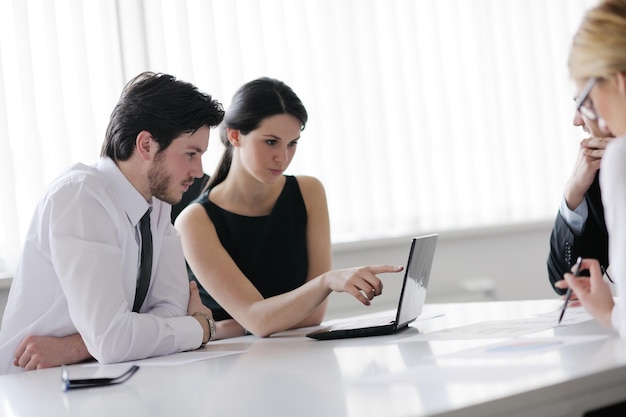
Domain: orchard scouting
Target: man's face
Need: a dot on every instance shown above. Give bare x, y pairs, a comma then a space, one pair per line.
590, 126
174, 169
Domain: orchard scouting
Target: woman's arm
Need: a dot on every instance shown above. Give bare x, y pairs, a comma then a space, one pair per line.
319, 250
220, 276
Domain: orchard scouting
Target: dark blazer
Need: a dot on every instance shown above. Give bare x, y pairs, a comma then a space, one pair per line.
191, 194
565, 247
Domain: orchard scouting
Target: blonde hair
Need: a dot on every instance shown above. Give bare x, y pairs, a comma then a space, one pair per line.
599, 45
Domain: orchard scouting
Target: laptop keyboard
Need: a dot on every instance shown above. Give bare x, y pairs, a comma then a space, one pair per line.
363, 323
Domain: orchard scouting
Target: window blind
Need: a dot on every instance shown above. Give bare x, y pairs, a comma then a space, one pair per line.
425, 115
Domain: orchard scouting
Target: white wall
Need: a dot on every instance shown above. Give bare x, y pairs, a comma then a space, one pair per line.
508, 263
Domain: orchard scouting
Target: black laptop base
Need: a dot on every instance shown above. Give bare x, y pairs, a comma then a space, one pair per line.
324, 334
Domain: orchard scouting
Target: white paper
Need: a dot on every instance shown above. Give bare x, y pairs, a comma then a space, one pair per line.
176, 358
510, 328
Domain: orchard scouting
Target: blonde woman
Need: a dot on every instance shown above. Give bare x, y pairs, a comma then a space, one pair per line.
597, 64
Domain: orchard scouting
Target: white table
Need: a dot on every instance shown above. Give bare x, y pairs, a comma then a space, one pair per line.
407, 374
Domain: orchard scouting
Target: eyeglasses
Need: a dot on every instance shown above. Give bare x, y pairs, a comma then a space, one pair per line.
68, 384
583, 104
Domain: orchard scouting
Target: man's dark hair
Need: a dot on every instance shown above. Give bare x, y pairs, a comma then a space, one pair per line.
162, 105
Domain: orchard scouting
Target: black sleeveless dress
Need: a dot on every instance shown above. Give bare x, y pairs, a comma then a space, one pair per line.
270, 250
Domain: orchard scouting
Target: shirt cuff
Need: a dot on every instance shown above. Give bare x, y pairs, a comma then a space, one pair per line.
190, 333
576, 218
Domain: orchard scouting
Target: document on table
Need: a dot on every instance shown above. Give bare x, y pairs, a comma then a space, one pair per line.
509, 328
180, 358
573, 315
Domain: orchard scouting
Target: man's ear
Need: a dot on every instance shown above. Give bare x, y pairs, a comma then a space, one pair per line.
233, 136
145, 145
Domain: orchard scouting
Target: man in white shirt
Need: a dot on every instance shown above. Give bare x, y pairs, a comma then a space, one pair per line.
73, 293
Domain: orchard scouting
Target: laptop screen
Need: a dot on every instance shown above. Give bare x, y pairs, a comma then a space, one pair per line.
417, 272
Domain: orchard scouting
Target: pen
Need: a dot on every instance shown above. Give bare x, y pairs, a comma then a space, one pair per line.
568, 294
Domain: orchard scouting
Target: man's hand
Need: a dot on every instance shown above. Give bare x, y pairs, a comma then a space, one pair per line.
587, 164
195, 302
196, 306
39, 352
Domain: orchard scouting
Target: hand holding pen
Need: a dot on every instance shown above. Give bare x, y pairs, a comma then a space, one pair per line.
593, 293
568, 293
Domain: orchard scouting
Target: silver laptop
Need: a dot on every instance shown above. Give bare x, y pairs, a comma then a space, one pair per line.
410, 302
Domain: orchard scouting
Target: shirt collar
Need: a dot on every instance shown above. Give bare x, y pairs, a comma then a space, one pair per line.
131, 200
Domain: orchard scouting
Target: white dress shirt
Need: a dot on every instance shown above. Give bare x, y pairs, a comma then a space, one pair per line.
576, 218
613, 185
78, 272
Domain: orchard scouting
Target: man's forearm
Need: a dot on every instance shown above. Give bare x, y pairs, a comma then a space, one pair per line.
76, 349
39, 352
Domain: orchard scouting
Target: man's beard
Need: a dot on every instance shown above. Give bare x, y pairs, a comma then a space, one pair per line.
159, 181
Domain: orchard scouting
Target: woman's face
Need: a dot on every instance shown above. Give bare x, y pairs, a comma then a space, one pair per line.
609, 101
268, 150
